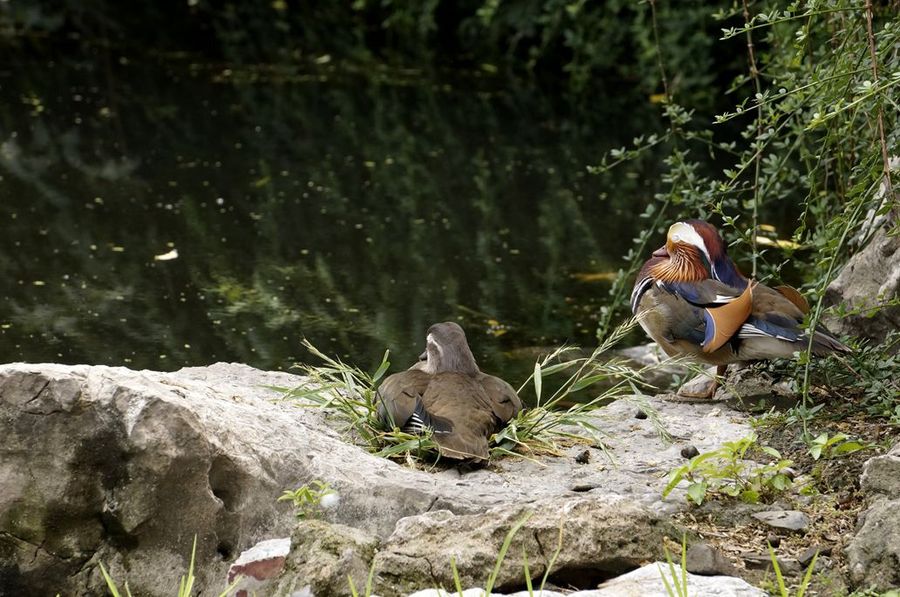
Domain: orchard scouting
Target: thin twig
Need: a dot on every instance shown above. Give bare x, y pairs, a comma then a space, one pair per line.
659, 61
754, 74
895, 212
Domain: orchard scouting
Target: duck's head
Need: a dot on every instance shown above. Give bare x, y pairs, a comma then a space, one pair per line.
693, 248
446, 349
695, 237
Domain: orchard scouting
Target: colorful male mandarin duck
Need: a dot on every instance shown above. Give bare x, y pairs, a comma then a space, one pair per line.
447, 393
694, 301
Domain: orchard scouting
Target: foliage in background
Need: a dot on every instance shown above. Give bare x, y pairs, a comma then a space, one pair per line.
588, 46
866, 379
728, 471
818, 119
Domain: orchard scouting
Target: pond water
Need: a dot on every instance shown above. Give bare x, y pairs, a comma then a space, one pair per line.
159, 213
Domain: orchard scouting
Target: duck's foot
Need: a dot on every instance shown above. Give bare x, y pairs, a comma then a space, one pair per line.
702, 387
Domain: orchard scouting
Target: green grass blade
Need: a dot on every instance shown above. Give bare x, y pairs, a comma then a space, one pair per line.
669, 591
782, 589
527, 573
110, 584
503, 549
456, 582
186, 585
550, 564
807, 578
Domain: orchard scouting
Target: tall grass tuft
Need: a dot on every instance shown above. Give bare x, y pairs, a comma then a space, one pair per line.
557, 419
560, 418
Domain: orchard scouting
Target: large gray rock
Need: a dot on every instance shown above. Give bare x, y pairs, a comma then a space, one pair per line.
881, 474
871, 277
110, 465
600, 539
324, 556
874, 552
646, 581
125, 467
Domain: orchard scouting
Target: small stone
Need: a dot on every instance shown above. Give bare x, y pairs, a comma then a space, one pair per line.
701, 387
640, 414
790, 520
773, 540
810, 552
583, 457
259, 565
789, 473
706, 560
583, 487
690, 451
763, 561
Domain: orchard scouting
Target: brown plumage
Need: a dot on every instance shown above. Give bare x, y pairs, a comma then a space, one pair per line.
447, 393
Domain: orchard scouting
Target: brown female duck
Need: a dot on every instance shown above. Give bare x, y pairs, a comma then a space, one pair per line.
447, 393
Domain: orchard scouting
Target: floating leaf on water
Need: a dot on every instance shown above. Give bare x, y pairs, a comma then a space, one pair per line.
173, 254
595, 276
777, 242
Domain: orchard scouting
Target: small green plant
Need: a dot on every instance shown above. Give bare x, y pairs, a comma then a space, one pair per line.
309, 500
727, 471
185, 585
679, 585
835, 446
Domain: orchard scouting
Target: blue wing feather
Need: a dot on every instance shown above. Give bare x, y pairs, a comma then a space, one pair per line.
756, 327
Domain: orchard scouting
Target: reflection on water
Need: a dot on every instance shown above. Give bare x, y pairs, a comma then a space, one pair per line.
351, 210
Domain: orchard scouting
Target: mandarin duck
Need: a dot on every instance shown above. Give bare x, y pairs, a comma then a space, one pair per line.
694, 301
447, 393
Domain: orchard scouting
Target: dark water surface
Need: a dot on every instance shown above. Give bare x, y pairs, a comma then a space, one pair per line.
350, 208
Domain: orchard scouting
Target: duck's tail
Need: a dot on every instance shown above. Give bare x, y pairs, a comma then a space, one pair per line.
824, 342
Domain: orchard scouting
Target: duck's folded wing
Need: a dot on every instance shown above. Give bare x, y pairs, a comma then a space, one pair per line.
778, 313
398, 398
505, 403
725, 309
458, 401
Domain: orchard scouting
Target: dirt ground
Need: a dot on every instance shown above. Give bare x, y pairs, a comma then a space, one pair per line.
825, 489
